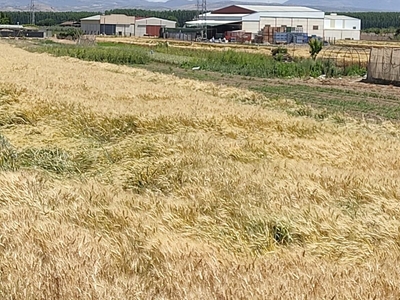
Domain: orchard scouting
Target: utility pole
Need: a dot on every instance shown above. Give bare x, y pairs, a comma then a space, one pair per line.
32, 10
202, 10
198, 8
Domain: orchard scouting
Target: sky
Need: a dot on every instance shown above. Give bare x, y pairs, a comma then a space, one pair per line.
253, 1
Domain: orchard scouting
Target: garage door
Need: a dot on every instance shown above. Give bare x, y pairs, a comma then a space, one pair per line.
153, 30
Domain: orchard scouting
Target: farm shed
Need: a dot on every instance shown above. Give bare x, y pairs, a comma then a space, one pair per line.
216, 29
152, 26
70, 24
122, 25
20, 31
310, 20
109, 25
254, 18
384, 65
91, 25
341, 27
11, 30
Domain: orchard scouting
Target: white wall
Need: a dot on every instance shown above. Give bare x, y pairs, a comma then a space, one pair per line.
156, 21
140, 30
340, 28
307, 24
352, 24
342, 34
251, 26
125, 29
90, 27
140, 26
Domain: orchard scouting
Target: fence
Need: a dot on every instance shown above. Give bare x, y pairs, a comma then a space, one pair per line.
86, 40
344, 56
384, 65
187, 36
376, 37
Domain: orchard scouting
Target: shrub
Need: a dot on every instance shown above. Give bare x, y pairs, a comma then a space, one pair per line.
115, 55
315, 47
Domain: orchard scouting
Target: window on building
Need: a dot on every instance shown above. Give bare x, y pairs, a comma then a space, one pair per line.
354, 27
315, 27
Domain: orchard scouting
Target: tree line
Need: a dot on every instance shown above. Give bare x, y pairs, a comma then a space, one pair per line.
43, 18
179, 16
371, 20
55, 18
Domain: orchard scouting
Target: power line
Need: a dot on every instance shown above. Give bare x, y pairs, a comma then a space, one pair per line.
201, 6
32, 11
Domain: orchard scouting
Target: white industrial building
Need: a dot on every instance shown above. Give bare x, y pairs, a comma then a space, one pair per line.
122, 25
310, 20
253, 18
152, 26
341, 27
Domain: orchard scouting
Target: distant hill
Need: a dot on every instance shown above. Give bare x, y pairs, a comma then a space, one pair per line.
100, 5
346, 5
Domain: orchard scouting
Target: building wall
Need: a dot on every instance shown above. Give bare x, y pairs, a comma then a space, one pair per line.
140, 30
251, 26
108, 29
352, 24
117, 19
349, 24
141, 25
310, 26
155, 21
339, 28
90, 27
341, 34
125, 29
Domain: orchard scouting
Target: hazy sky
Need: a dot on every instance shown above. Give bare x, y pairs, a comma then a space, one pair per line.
253, 1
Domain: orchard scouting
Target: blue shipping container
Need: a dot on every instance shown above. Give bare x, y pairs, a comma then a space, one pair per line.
280, 37
299, 40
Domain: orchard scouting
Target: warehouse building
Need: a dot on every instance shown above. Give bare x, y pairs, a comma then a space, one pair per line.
122, 25
341, 27
254, 19
13, 31
152, 26
310, 20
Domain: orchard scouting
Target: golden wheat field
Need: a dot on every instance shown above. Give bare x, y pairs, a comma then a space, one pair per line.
119, 183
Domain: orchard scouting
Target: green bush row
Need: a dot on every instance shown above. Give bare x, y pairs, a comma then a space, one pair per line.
114, 55
259, 65
229, 61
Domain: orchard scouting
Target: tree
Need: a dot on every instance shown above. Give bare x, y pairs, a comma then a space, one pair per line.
46, 22
315, 47
173, 18
4, 19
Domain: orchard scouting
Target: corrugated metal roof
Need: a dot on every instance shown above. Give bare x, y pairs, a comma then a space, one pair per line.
339, 17
5, 26
117, 19
210, 14
209, 22
284, 14
92, 18
273, 8
153, 18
